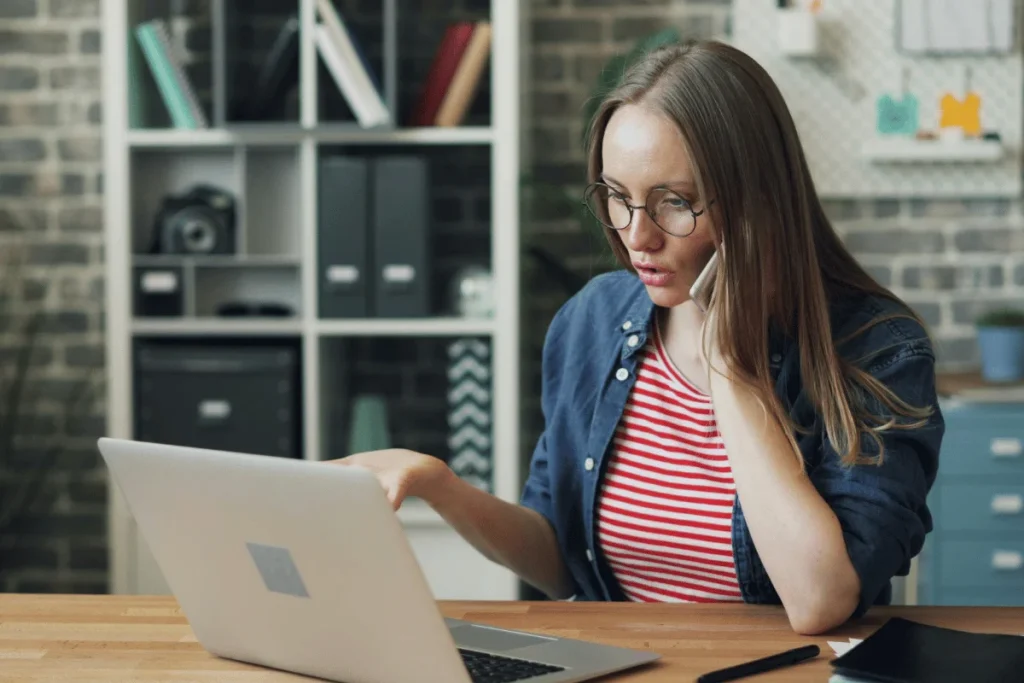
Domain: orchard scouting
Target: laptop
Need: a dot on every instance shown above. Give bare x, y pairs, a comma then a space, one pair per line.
303, 566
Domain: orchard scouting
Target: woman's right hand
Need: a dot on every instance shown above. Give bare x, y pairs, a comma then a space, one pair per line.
402, 473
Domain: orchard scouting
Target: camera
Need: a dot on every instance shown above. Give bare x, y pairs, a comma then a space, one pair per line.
199, 221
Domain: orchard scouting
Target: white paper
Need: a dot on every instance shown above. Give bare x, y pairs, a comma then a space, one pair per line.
841, 648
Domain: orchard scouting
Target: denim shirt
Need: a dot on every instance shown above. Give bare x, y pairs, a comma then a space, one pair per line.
591, 353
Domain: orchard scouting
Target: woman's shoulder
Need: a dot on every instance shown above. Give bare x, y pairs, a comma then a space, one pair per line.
879, 325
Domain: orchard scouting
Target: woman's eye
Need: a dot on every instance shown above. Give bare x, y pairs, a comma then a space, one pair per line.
675, 204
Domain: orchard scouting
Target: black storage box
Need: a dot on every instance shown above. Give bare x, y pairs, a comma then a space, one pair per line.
241, 397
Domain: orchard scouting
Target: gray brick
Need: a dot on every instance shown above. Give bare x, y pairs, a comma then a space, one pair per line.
28, 114
31, 42
551, 142
18, 9
894, 241
960, 351
28, 149
634, 28
89, 557
29, 556
566, 30
553, 104
14, 78
87, 492
966, 311
58, 254
930, 312
987, 207
1018, 274
75, 78
35, 290
16, 184
95, 113
882, 274
80, 219
886, 208
65, 322
22, 219
588, 68
63, 525
90, 42
989, 239
947, 277
85, 356
87, 148
75, 9
932, 208
843, 209
72, 184
199, 39
548, 68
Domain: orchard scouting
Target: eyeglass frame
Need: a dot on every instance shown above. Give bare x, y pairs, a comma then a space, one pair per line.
631, 208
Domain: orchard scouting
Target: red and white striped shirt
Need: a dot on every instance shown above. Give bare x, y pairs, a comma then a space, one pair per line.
664, 518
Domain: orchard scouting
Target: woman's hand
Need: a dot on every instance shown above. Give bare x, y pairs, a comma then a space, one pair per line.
402, 473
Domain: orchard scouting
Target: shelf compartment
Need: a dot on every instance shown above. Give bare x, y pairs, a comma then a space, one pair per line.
365, 25
157, 175
430, 395
450, 184
261, 46
273, 204
216, 287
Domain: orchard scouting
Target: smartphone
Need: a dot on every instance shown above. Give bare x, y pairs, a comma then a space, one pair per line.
700, 292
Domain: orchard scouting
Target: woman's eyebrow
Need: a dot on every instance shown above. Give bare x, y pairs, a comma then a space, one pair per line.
681, 184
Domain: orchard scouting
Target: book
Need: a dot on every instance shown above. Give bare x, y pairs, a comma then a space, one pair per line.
466, 79
175, 88
350, 59
442, 69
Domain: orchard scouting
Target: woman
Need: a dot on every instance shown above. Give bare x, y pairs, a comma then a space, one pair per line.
779, 450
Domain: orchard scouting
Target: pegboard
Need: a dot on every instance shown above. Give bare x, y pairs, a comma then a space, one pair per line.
833, 100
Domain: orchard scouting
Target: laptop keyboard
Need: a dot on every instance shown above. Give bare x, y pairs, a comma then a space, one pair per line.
487, 668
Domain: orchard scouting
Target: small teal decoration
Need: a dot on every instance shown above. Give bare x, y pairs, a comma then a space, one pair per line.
898, 117
369, 424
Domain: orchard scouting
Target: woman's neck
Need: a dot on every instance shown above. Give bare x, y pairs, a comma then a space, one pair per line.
680, 328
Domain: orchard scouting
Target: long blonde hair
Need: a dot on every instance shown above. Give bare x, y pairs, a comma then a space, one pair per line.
782, 259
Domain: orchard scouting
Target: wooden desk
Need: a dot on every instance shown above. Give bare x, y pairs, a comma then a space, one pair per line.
128, 638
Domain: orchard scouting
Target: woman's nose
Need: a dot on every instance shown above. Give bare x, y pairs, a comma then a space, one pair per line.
642, 234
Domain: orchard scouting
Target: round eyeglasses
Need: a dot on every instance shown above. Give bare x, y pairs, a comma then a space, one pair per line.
670, 212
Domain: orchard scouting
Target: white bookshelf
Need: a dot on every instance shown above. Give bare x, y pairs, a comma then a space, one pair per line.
254, 161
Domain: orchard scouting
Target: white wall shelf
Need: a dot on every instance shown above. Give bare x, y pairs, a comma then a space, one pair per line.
913, 151
272, 169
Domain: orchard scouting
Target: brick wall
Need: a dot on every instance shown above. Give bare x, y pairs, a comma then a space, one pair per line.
937, 254
50, 212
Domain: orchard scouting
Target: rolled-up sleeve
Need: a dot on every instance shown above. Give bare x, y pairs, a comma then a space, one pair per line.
882, 508
537, 493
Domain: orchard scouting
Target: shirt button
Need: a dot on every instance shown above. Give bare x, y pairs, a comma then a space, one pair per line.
621, 374
627, 325
776, 357
588, 464
590, 555
633, 340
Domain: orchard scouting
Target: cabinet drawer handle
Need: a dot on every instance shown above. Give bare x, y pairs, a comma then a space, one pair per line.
1005, 447
1007, 504
214, 410
1007, 560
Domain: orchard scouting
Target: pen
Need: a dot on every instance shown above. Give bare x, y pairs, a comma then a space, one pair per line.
787, 658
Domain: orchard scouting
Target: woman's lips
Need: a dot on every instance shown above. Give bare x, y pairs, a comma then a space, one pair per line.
652, 275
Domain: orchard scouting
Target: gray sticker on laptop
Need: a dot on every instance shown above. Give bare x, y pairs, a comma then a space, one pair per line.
278, 570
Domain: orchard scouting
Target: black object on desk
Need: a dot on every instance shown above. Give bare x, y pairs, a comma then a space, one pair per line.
903, 651
758, 666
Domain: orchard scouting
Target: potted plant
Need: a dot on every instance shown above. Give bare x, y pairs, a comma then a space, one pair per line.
1001, 343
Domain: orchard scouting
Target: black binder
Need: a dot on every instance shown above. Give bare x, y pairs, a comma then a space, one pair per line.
342, 237
401, 221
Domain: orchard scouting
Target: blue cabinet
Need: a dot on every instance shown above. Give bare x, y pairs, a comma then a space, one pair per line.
975, 555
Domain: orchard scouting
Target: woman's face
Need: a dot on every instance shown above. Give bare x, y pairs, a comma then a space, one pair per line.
641, 151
